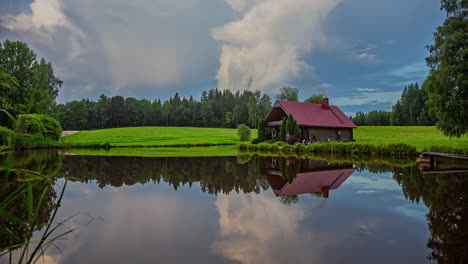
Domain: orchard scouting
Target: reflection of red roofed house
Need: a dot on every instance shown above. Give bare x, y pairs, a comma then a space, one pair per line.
308, 182
318, 122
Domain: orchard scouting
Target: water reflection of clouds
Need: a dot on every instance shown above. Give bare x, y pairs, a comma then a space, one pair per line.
260, 229
366, 184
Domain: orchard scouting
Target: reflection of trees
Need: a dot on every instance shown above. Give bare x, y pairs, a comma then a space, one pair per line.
214, 174
446, 195
15, 177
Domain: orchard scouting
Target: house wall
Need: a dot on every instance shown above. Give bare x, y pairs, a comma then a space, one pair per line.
325, 134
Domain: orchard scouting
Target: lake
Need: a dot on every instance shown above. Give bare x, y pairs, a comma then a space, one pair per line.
241, 209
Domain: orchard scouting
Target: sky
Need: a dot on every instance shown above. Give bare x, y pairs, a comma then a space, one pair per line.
359, 53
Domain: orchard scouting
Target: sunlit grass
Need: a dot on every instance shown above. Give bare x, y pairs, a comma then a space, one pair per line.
155, 136
418, 136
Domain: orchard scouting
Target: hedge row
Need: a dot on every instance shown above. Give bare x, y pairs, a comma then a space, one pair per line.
396, 150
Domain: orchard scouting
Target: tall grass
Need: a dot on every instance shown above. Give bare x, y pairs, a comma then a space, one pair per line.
29, 207
392, 150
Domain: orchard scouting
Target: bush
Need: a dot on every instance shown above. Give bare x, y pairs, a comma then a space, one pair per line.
39, 125
255, 141
6, 136
244, 132
53, 130
30, 124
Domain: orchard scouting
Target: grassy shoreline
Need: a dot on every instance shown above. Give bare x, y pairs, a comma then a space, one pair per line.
369, 140
351, 148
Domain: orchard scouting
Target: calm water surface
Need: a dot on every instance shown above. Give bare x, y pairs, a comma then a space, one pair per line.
250, 209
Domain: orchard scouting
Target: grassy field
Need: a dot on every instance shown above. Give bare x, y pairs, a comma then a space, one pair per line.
419, 137
155, 136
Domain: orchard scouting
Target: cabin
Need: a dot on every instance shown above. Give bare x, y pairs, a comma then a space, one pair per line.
318, 122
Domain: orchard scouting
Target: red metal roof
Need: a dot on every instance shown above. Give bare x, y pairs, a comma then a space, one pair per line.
307, 114
317, 181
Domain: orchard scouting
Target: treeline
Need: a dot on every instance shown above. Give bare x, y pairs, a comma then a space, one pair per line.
373, 118
215, 109
410, 110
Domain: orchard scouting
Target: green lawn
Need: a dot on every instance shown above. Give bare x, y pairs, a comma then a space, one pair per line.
420, 137
155, 136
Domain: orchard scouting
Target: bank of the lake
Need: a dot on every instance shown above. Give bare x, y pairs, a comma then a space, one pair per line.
422, 138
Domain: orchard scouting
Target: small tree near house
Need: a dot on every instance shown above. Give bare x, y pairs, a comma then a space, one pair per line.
290, 128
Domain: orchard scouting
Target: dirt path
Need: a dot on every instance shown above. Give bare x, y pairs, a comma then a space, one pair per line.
69, 132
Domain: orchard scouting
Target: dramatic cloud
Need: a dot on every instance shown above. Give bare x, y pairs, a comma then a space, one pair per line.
118, 45
265, 48
47, 18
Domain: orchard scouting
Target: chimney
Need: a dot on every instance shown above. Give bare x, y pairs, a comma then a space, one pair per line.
325, 103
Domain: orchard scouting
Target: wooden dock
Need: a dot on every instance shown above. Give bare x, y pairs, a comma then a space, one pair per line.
437, 162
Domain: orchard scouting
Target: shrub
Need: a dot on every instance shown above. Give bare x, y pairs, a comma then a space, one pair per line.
264, 147
39, 125
30, 124
6, 136
244, 132
53, 129
255, 141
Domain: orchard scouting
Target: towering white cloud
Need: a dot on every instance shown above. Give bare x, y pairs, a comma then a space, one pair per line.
266, 47
44, 20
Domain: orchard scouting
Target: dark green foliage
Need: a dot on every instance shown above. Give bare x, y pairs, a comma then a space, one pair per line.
262, 132
411, 109
30, 124
32, 84
244, 132
39, 125
289, 127
255, 141
283, 128
373, 118
288, 93
447, 83
53, 130
6, 136
215, 109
